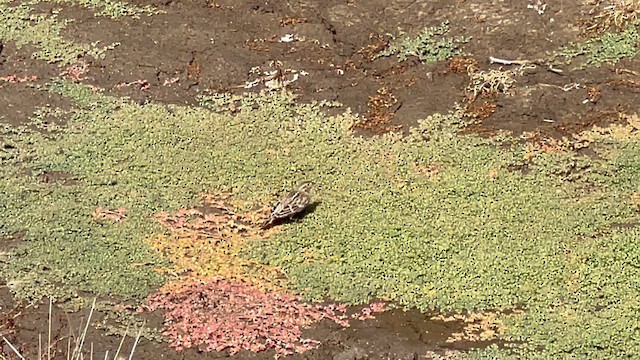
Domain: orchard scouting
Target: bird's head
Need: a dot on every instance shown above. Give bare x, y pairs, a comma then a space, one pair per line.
306, 186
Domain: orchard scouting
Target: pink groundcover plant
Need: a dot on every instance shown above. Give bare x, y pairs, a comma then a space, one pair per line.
219, 315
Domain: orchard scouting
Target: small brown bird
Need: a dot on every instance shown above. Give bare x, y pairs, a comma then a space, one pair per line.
292, 203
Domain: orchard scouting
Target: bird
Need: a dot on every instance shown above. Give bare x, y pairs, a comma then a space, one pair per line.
290, 204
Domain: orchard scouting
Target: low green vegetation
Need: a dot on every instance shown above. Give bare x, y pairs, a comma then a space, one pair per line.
110, 8
429, 45
609, 47
25, 25
435, 220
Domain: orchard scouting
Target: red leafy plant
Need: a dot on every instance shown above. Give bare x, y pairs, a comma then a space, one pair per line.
14, 79
221, 301
141, 84
222, 315
76, 71
220, 220
367, 312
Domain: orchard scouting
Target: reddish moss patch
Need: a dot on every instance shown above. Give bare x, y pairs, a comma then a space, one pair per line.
219, 315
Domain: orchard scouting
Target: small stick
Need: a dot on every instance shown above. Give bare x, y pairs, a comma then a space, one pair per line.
626, 71
495, 60
126, 331
565, 88
78, 348
13, 348
554, 70
49, 330
135, 343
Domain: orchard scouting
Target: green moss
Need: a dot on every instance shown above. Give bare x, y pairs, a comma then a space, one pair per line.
607, 48
459, 240
25, 27
65, 250
428, 46
112, 9
435, 220
598, 318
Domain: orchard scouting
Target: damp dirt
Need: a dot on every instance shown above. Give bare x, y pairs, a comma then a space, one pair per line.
395, 334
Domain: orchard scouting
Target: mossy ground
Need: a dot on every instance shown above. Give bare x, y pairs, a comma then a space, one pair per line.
471, 234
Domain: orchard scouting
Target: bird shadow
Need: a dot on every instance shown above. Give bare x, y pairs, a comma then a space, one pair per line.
309, 209
302, 214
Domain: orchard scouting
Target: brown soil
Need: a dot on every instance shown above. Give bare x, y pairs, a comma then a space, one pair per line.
395, 334
202, 46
